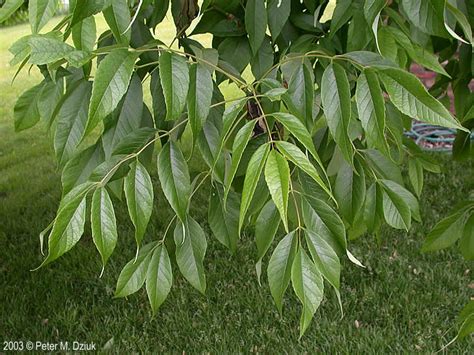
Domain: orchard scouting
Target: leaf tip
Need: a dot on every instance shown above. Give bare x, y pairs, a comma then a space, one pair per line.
136, 253
44, 263
202, 288
353, 259
258, 269
102, 271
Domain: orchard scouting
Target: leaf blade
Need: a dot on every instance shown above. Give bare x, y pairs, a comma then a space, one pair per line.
325, 258
371, 108
199, 97
103, 224
224, 218
191, 248
159, 277
295, 155
349, 190
308, 286
446, 232
241, 141
117, 16
111, 82
68, 225
336, 101
277, 176
25, 111
322, 220
174, 76
396, 211
254, 170
47, 49
278, 12
255, 23
133, 275
266, 227
279, 268
84, 34
8, 8
71, 121
174, 177
138, 190
296, 128
410, 96
40, 12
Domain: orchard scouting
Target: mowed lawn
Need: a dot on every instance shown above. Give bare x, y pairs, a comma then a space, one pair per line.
403, 301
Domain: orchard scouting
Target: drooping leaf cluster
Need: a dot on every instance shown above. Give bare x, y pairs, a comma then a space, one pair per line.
308, 156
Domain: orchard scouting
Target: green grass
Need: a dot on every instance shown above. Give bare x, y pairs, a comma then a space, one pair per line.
403, 301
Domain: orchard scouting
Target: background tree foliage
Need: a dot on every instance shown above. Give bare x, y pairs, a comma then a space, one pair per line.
309, 154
